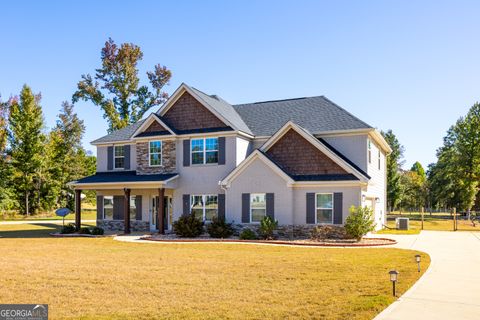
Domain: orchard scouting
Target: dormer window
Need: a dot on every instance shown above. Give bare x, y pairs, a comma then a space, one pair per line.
119, 157
155, 153
204, 151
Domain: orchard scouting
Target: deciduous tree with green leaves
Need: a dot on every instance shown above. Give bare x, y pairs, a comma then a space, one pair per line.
115, 87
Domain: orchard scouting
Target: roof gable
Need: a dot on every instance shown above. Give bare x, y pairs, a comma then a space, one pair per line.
326, 151
205, 111
297, 156
153, 126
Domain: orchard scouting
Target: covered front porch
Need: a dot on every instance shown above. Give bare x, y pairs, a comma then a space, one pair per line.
129, 202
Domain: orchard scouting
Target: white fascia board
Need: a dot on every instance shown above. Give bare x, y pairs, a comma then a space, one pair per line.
150, 119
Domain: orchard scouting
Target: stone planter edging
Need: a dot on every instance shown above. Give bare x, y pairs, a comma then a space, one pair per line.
77, 235
274, 242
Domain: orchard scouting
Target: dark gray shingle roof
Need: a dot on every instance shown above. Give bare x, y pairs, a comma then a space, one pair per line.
120, 135
225, 109
125, 176
315, 114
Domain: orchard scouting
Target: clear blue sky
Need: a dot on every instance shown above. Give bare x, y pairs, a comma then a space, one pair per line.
411, 67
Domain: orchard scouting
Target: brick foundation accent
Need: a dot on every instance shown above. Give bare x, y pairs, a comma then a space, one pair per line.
297, 156
187, 113
168, 158
118, 225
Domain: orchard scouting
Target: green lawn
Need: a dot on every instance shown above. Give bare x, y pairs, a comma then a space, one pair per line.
431, 224
88, 214
100, 278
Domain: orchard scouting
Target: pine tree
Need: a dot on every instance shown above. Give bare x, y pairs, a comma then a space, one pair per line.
26, 148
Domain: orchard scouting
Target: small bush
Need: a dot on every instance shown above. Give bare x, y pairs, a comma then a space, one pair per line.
188, 226
218, 228
84, 230
97, 231
267, 227
359, 222
248, 234
69, 228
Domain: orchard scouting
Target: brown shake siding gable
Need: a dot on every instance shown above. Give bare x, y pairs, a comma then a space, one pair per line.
297, 156
187, 113
155, 126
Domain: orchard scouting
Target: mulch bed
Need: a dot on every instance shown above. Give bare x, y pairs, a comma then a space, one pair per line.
366, 242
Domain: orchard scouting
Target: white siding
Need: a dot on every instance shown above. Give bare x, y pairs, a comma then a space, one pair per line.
377, 185
354, 147
351, 197
242, 150
259, 178
102, 160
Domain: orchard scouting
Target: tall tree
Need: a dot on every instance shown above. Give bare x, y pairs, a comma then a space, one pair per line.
26, 146
116, 86
394, 165
67, 156
5, 190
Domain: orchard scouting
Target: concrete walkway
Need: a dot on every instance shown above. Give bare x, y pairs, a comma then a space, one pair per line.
450, 289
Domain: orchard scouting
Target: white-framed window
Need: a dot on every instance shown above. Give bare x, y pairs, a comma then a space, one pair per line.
155, 153
204, 150
379, 159
133, 208
369, 143
118, 157
324, 207
258, 207
205, 206
108, 208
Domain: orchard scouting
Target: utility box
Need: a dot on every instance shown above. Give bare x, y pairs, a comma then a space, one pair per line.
402, 223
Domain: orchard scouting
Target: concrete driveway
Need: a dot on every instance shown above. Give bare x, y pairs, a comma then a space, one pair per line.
450, 289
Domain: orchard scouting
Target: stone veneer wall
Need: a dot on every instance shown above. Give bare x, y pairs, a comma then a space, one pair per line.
291, 231
168, 158
118, 225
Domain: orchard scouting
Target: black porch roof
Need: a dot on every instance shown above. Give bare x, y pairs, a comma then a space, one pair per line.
124, 176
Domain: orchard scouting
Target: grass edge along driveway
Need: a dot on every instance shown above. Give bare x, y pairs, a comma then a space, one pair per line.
108, 279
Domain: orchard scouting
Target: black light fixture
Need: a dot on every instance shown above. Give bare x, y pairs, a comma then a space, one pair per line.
393, 279
417, 259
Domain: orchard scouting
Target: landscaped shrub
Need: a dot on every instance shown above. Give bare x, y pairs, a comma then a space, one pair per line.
320, 233
69, 228
218, 228
248, 234
267, 227
84, 230
97, 231
188, 226
359, 222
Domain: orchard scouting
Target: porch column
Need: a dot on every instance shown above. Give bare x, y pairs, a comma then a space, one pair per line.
161, 210
126, 212
78, 209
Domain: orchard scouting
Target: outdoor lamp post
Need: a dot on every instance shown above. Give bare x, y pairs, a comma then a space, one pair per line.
417, 259
393, 279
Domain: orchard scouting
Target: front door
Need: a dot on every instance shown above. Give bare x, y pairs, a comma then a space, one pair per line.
167, 216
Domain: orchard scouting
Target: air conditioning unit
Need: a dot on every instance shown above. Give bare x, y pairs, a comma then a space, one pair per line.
402, 223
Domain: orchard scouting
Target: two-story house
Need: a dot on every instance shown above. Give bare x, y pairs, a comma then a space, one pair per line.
302, 161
